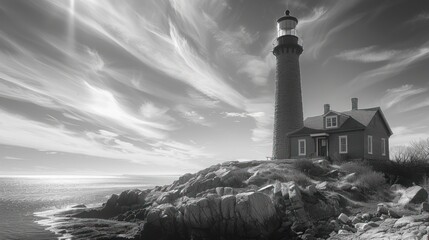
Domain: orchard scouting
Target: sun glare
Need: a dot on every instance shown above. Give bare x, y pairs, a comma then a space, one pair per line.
71, 26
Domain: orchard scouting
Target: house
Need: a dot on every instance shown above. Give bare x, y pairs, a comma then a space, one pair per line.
354, 134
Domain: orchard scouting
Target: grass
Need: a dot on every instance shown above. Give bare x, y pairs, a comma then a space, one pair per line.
370, 181
355, 167
365, 178
300, 178
308, 167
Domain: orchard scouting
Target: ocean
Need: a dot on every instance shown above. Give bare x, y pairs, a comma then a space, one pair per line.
27, 203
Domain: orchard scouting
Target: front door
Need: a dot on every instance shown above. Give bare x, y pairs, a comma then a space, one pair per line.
322, 145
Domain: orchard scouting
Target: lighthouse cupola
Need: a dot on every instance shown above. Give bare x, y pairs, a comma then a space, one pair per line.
287, 35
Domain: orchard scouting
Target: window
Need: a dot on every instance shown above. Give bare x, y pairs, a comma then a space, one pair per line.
383, 147
331, 121
301, 147
343, 144
369, 144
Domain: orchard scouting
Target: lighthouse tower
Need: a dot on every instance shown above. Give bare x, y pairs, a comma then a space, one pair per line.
288, 115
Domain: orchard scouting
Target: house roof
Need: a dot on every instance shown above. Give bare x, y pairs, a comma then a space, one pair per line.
362, 116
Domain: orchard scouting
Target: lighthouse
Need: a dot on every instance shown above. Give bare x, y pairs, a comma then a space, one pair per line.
288, 114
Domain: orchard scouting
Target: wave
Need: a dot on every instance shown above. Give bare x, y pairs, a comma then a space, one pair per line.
60, 222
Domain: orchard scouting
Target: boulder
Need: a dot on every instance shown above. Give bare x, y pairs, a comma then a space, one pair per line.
382, 209
79, 206
366, 216
343, 232
128, 198
424, 207
403, 221
255, 211
168, 197
365, 226
345, 186
396, 187
333, 173
343, 218
200, 184
322, 186
311, 189
202, 213
350, 177
393, 214
228, 191
414, 194
112, 201
242, 216
322, 163
219, 191
269, 189
228, 207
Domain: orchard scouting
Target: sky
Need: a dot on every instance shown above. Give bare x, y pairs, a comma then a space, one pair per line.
172, 86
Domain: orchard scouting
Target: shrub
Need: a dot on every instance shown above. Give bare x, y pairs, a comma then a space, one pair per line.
366, 178
370, 181
355, 167
417, 151
300, 178
405, 173
264, 176
308, 167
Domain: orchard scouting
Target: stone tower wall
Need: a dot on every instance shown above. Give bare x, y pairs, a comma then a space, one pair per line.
288, 100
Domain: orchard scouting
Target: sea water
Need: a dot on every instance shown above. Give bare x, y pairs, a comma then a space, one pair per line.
26, 202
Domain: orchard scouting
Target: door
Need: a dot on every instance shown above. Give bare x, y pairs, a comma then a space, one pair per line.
322, 144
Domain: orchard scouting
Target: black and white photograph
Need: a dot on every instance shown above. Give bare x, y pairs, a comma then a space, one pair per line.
214, 119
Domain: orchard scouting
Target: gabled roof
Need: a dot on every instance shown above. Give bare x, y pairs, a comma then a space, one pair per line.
317, 121
361, 117
364, 116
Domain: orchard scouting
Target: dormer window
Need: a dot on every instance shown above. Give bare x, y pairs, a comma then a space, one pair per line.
331, 122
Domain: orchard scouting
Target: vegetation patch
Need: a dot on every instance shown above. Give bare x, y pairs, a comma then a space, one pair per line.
308, 167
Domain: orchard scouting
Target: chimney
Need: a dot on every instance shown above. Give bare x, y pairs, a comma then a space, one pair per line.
354, 103
327, 108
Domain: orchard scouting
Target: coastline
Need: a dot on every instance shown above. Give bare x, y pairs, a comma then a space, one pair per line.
271, 200
27, 202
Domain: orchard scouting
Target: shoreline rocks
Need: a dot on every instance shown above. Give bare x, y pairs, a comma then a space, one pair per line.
259, 200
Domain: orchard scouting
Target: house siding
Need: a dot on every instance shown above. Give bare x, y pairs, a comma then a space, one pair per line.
355, 144
354, 141
310, 147
377, 129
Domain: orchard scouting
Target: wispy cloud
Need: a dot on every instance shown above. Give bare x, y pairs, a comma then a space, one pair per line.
233, 47
367, 54
396, 65
163, 47
404, 135
193, 116
316, 47
394, 96
424, 16
244, 114
262, 111
12, 158
315, 15
28, 133
420, 104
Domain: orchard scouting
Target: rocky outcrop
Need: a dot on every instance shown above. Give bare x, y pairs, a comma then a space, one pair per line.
409, 227
257, 200
244, 216
117, 204
414, 194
